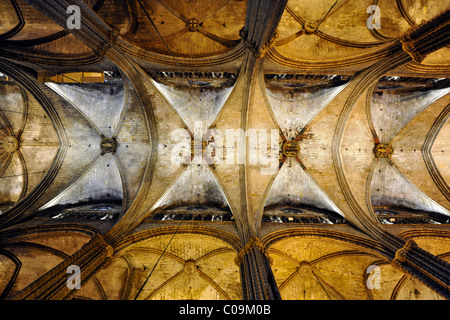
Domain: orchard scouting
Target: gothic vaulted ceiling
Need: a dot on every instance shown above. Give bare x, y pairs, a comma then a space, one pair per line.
167, 139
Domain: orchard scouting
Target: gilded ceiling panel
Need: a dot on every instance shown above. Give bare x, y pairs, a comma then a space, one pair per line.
324, 269
334, 34
186, 28
192, 267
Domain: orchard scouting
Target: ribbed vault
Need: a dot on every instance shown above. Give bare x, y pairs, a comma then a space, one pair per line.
233, 149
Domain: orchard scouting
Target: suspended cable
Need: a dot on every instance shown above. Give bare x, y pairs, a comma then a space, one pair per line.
320, 282
28, 114
146, 280
19, 175
165, 44
327, 14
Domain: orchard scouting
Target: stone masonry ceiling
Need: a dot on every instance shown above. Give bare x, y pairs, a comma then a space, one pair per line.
226, 150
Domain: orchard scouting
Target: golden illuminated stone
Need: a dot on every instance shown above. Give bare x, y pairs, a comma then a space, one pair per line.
310, 26
189, 267
304, 268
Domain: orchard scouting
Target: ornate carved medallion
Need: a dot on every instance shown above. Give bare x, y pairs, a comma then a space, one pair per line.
192, 24
290, 148
190, 267
310, 26
10, 144
108, 145
383, 150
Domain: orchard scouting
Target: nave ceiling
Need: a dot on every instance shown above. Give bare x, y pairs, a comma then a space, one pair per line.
81, 159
